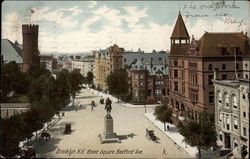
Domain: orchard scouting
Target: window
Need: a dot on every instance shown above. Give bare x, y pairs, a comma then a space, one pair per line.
125, 59
228, 123
224, 76
210, 77
159, 58
164, 92
175, 63
237, 66
244, 131
243, 96
149, 92
246, 76
136, 93
237, 49
211, 97
220, 117
158, 92
141, 76
175, 73
210, 67
234, 101
226, 100
223, 50
244, 114
246, 65
219, 97
141, 84
235, 124
136, 76
220, 136
223, 66
176, 86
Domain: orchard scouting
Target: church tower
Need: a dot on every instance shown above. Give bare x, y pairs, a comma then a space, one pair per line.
30, 46
180, 39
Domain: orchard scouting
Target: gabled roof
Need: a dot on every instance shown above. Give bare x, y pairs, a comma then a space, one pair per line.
180, 30
10, 51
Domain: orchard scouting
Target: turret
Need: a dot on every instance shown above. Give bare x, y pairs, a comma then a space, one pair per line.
179, 38
30, 46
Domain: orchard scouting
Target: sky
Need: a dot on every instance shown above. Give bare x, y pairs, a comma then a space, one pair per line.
83, 26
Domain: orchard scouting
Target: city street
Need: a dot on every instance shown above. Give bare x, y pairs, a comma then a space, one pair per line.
129, 123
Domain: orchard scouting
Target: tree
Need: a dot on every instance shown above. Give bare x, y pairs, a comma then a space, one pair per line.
62, 92
200, 134
75, 82
90, 77
118, 83
163, 114
13, 79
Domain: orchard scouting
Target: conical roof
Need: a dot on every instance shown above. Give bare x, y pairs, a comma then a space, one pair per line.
180, 30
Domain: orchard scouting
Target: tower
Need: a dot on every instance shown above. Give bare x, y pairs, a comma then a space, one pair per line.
30, 46
179, 38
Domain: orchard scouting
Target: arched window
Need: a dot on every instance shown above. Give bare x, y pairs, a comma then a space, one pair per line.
226, 100
210, 67
223, 66
219, 97
234, 101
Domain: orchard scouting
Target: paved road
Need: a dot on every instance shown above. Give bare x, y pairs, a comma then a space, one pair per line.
129, 124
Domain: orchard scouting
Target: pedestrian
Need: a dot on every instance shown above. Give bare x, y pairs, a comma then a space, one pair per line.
92, 105
164, 152
168, 127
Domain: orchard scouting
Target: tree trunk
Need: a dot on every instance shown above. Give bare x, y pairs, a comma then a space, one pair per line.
199, 153
164, 126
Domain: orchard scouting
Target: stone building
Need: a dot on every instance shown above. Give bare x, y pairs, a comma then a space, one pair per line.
149, 82
106, 62
232, 114
30, 46
84, 65
10, 109
191, 66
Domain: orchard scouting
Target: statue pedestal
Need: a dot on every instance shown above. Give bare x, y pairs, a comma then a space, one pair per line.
108, 134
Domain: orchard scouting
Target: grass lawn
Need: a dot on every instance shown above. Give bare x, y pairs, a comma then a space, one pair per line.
18, 98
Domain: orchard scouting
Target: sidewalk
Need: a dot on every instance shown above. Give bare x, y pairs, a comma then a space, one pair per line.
114, 99
173, 134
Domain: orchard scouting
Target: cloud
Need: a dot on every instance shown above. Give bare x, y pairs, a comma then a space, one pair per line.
156, 36
12, 27
92, 4
75, 10
56, 16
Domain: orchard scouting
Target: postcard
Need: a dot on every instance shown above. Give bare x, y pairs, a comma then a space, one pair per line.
125, 79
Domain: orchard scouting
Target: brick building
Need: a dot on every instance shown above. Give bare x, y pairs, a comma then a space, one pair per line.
106, 62
191, 66
149, 82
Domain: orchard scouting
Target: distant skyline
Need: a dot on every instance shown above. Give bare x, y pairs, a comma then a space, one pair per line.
82, 26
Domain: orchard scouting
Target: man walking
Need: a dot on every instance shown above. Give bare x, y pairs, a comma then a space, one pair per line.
164, 152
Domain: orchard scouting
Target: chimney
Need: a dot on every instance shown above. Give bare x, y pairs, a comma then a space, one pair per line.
216, 74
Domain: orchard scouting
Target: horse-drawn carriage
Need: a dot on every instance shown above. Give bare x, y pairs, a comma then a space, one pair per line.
67, 129
101, 101
150, 135
27, 153
44, 135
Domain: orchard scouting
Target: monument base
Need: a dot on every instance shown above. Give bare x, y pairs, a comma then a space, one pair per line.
108, 134
110, 138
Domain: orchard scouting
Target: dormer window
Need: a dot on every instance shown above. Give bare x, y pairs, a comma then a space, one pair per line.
223, 50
